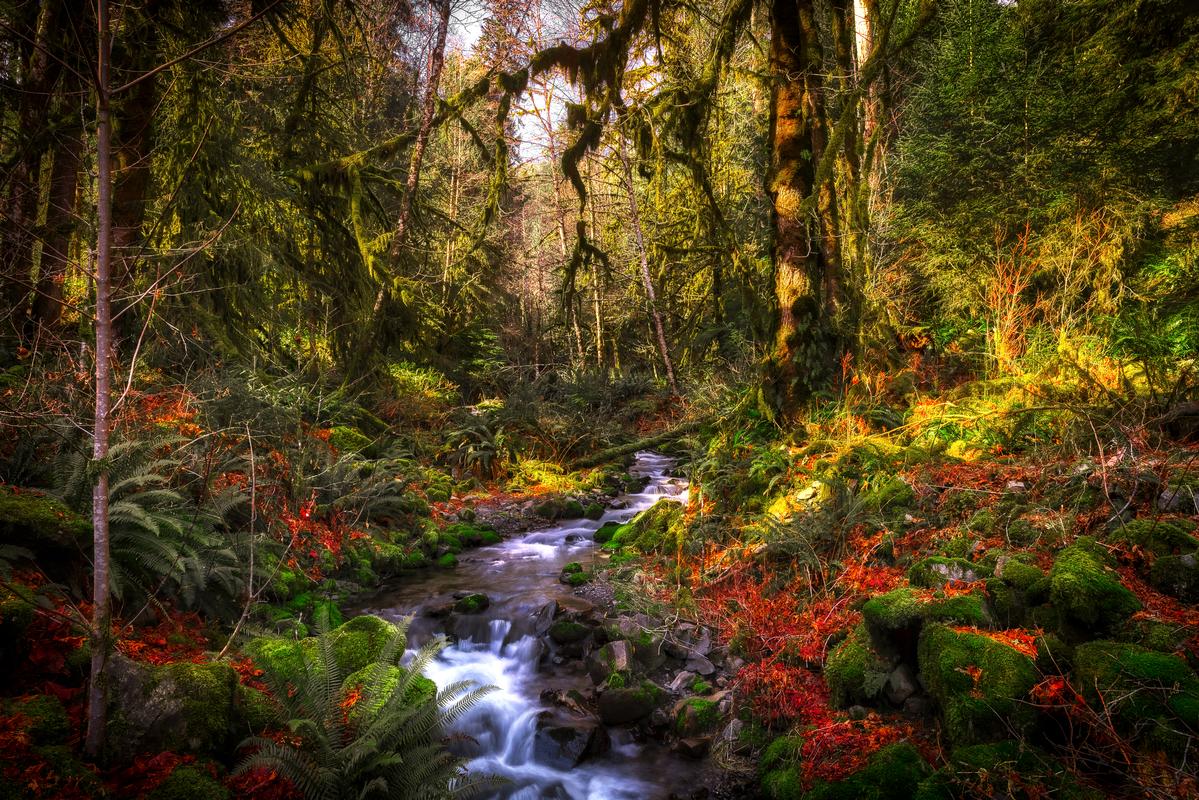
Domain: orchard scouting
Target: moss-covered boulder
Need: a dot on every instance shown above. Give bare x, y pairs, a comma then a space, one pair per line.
472, 603
360, 641
905, 609
1086, 592
38, 522
935, 572
255, 710
593, 511
1150, 696
890, 495
1158, 536
979, 684
780, 769
696, 716
471, 535
658, 529
348, 439
189, 783
893, 773
388, 679
184, 707
566, 632
629, 704
606, 531
855, 672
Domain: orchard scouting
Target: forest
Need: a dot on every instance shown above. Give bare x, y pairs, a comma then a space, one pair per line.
599, 399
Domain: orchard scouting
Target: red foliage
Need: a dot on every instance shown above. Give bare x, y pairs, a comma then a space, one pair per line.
262, 784
782, 695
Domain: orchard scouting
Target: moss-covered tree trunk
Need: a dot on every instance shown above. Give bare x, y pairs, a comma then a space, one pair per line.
798, 363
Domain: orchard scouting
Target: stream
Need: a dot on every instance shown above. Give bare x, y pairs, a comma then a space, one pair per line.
499, 647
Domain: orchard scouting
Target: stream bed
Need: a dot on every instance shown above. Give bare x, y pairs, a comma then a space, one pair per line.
506, 735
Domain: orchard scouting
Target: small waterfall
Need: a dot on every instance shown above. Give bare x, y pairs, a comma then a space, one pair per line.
498, 648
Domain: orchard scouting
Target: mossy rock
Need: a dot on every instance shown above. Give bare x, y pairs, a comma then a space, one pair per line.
1160, 636
17, 604
893, 494
1177, 576
593, 511
697, 716
605, 532
1085, 591
658, 529
347, 439
572, 568
567, 632
47, 718
1160, 537
854, 670
779, 767
447, 561
472, 603
630, 704
1150, 695
189, 783
184, 707
979, 684
470, 535
257, 710
701, 686
576, 579
389, 678
38, 522
903, 608
572, 509
935, 572
893, 773
361, 640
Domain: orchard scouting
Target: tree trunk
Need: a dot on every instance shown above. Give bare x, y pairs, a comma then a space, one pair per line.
646, 279
17, 234
798, 363
101, 605
60, 227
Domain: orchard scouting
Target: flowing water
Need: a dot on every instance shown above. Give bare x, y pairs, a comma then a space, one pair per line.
498, 647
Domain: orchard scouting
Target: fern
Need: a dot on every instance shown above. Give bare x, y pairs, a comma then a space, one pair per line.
384, 745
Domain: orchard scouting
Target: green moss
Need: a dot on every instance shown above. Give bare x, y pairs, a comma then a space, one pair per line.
978, 683
34, 520
1149, 694
472, 603
785, 783
1160, 636
606, 531
893, 773
577, 578
387, 679
1020, 575
566, 632
65, 774
447, 561
981, 522
617, 680
934, 572
854, 671
572, 568
347, 439
360, 641
1160, 537
593, 511
893, 611
47, 719
16, 612
1010, 768
701, 686
696, 716
256, 709
469, 535
890, 495
1086, 593
658, 529
189, 783
572, 509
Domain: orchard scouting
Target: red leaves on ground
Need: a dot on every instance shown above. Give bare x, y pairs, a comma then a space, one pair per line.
178, 638
262, 784
782, 695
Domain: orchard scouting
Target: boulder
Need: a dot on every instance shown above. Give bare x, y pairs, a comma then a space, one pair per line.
1177, 576
695, 715
612, 657
622, 706
564, 746
543, 618
700, 665
901, 684
694, 747
682, 682
1086, 592
472, 603
182, 707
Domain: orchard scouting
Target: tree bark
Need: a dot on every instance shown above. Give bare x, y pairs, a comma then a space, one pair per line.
101, 604
798, 363
646, 279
